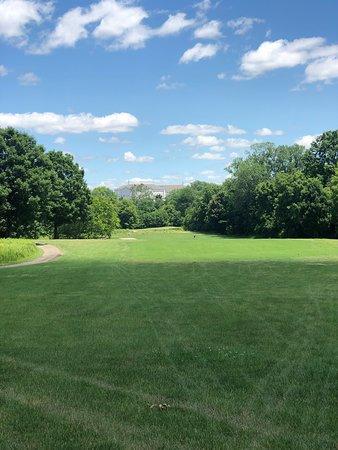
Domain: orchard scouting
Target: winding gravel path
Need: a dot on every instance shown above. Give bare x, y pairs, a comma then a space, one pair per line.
50, 253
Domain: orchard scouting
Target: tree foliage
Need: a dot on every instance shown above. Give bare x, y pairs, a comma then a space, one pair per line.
279, 191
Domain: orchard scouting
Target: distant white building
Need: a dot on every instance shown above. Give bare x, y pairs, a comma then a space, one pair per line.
156, 189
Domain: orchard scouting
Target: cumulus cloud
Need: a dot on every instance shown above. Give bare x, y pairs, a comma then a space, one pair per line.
202, 141
209, 156
324, 69
60, 140
243, 25
210, 30
51, 123
216, 144
238, 143
173, 25
268, 132
138, 180
191, 129
198, 52
131, 157
231, 129
307, 140
3, 71
272, 55
29, 79
221, 76
17, 15
118, 24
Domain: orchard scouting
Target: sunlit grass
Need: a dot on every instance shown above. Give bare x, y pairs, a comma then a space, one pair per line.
17, 250
237, 336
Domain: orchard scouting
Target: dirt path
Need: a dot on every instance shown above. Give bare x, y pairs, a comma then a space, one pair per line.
50, 252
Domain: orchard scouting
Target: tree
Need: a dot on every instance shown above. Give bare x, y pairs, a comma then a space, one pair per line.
196, 218
128, 214
70, 197
218, 212
145, 203
277, 159
104, 217
246, 175
322, 157
293, 205
25, 185
334, 190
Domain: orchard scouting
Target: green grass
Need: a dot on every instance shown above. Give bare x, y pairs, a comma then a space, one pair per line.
17, 250
237, 335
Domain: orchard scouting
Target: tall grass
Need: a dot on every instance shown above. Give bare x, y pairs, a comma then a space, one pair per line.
17, 250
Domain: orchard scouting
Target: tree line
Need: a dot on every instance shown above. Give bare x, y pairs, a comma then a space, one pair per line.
274, 191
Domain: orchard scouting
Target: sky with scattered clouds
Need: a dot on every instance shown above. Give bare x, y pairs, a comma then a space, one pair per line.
169, 92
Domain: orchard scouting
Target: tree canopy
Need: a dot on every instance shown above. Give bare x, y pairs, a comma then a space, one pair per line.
276, 191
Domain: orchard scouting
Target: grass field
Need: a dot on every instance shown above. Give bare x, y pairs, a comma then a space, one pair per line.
237, 335
17, 250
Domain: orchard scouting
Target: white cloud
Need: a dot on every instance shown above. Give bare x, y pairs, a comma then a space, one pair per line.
3, 71
131, 157
60, 140
268, 132
51, 123
16, 15
233, 155
221, 76
191, 129
202, 141
173, 25
243, 24
307, 140
203, 6
231, 129
109, 140
216, 144
325, 69
238, 143
208, 156
198, 52
210, 30
138, 180
119, 24
28, 79
166, 84
285, 54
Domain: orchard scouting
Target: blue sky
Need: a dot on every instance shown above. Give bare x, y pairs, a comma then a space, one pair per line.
139, 90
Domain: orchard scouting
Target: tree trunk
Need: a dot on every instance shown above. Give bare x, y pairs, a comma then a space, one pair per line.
56, 232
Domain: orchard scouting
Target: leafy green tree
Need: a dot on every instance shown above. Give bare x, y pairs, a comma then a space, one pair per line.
276, 159
70, 198
104, 191
156, 219
104, 217
145, 203
218, 212
334, 190
293, 205
25, 185
173, 217
322, 158
246, 175
196, 218
128, 214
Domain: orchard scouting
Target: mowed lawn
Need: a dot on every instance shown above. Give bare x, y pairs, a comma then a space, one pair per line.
238, 336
